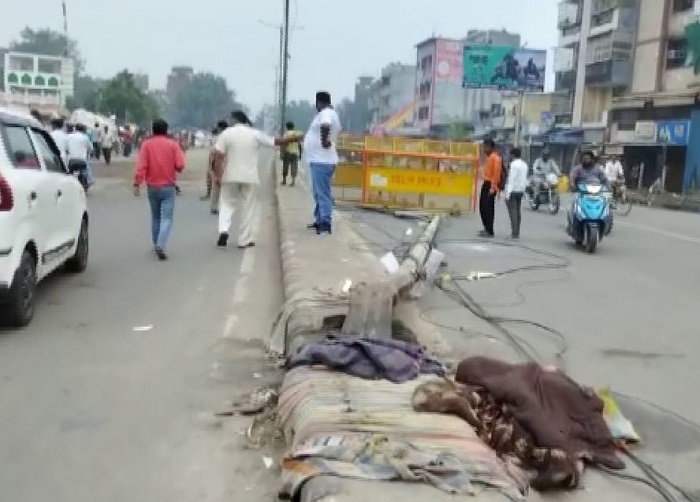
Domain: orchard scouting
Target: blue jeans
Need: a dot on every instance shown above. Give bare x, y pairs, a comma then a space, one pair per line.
90, 178
162, 202
321, 177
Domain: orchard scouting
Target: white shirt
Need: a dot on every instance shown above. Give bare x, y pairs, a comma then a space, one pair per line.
61, 139
517, 177
313, 150
240, 144
79, 146
613, 170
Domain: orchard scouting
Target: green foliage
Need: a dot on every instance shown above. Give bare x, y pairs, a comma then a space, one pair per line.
203, 101
120, 96
48, 42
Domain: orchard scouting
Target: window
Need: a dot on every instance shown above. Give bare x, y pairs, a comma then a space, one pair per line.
676, 53
682, 5
51, 159
423, 113
49, 65
20, 148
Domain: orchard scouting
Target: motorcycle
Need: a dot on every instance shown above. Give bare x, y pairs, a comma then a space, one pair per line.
79, 170
545, 191
590, 219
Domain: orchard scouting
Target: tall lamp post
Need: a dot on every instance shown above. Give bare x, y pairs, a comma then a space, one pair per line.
282, 67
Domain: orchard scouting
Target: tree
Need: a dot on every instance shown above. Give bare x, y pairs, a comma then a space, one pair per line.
203, 101
120, 96
50, 43
301, 113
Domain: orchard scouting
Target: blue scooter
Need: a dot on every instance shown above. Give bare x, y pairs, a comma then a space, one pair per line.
590, 218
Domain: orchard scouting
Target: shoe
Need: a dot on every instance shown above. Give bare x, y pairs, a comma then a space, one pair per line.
223, 240
324, 228
214, 211
293, 182
161, 254
484, 233
312, 226
205, 197
515, 237
284, 182
249, 245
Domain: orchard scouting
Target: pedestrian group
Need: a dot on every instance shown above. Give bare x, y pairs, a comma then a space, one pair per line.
232, 172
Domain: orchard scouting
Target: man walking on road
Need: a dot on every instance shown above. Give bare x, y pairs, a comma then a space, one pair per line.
160, 159
515, 188
60, 137
322, 157
236, 168
290, 155
489, 188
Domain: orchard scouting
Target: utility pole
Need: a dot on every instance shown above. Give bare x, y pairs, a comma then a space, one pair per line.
278, 75
285, 66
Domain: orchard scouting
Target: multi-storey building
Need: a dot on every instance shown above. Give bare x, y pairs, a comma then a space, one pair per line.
636, 86
37, 81
441, 99
393, 94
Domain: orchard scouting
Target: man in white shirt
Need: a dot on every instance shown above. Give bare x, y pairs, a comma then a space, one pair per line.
615, 174
60, 138
79, 148
236, 171
515, 187
321, 155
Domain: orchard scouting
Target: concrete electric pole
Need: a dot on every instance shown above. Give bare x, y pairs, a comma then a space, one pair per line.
285, 67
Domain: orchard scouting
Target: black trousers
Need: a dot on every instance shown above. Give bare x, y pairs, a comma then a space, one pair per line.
487, 207
96, 150
107, 153
514, 205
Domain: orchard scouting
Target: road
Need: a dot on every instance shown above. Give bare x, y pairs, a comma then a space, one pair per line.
627, 315
110, 394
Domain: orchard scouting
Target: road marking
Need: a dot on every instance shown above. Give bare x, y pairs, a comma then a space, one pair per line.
248, 262
673, 235
230, 324
240, 292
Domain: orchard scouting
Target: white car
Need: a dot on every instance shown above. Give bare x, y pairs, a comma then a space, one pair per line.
43, 215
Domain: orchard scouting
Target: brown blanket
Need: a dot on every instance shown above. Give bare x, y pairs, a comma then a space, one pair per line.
534, 417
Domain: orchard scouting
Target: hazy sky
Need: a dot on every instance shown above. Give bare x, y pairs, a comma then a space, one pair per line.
335, 40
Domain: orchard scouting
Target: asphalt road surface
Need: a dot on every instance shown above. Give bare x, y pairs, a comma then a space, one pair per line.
627, 316
110, 394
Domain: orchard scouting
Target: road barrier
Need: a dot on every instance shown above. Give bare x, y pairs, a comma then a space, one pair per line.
407, 173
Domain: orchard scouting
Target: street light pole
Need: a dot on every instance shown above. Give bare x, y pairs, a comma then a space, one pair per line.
285, 66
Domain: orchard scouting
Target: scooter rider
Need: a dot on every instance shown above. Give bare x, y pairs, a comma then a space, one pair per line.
587, 169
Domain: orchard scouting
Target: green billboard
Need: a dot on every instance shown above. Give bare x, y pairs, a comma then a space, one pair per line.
499, 67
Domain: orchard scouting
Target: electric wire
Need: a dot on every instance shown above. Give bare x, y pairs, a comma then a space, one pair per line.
525, 349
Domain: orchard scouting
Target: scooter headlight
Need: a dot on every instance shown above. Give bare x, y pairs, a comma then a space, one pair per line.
594, 189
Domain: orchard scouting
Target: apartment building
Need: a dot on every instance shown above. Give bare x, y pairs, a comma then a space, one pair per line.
393, 94
636, 86
440, 98
37, 81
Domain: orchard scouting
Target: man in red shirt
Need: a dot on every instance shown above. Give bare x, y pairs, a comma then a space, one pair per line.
160, 159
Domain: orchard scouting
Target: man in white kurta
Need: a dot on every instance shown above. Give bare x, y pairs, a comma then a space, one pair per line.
239, 146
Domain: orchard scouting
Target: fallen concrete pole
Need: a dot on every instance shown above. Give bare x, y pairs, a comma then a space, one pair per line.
372, 303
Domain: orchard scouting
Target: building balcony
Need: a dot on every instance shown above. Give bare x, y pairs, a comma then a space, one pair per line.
609, 74
569, 36
569, 15
565, 80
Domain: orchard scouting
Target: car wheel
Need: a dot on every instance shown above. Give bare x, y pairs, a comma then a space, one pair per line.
79, 261
19, 310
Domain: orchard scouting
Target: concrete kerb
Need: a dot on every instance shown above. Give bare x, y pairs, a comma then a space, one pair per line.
314, 269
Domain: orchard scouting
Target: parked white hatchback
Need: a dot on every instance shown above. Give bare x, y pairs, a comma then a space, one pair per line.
43, 215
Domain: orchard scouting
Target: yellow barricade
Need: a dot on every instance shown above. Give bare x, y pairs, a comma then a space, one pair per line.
408, 173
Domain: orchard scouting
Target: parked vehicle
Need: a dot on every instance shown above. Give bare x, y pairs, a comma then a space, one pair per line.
545, 191
590, 218
43, 215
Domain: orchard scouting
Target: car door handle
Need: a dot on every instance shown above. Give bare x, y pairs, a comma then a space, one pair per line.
59, 193
32, 196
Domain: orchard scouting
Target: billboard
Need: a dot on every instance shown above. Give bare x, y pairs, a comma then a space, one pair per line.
497, 67
448, 61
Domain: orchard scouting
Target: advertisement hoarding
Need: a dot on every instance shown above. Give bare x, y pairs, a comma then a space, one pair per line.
448, 61
498, 67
